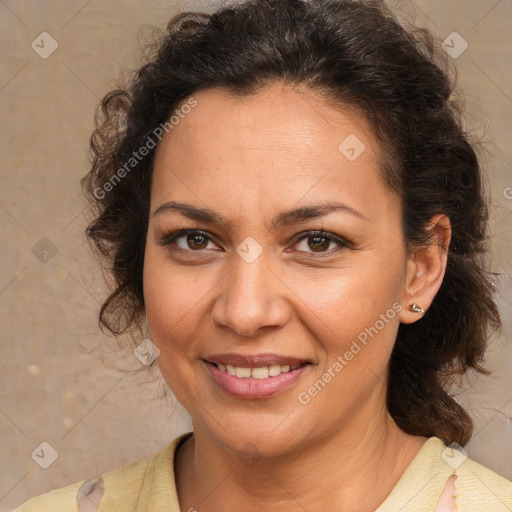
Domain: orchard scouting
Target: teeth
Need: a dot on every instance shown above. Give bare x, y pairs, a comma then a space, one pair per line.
242, 372
274, 370
260, 373
264, 372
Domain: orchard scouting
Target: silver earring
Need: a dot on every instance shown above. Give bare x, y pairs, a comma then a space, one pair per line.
416, 308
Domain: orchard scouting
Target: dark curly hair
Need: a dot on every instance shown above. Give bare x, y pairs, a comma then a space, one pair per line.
353, 53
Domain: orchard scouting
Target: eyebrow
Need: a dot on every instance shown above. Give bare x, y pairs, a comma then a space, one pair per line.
286, 218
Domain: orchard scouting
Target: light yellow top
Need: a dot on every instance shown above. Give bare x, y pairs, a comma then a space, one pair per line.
148, 485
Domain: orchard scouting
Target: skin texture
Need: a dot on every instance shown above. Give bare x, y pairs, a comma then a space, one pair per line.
248, 159
447, 502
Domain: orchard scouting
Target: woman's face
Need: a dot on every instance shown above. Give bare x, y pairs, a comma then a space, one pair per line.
258, 280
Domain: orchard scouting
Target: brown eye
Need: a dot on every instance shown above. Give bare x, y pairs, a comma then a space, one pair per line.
190, 240
319, 243
196, 241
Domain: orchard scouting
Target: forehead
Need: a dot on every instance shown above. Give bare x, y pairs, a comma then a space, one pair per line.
280, 116
280, 142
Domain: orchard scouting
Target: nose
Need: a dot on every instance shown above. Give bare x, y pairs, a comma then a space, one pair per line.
251, 298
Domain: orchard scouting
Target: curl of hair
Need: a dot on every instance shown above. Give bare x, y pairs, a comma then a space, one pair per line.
355, 54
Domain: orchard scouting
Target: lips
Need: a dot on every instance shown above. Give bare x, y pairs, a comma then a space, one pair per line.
255, 387
255, 360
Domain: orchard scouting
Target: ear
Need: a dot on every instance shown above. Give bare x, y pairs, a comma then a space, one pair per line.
426, 267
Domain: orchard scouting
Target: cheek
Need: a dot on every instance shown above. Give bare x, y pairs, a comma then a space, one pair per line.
175, 298
354, 327
349, 298
352, 314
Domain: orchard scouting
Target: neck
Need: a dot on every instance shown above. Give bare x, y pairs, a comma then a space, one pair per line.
338, 471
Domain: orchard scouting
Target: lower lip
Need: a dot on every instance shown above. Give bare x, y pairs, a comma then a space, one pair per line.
251, 388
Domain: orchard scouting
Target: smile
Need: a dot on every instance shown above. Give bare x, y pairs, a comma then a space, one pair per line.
255, 383
263, 372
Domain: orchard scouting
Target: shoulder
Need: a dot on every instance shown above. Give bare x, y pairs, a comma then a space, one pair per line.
475, 487
64, 499
124, 486
125, 482
479, 488
424, 487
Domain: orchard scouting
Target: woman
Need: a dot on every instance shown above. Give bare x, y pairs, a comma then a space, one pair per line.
286, 193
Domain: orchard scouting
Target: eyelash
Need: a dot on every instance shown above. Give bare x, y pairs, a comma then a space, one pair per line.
170, 238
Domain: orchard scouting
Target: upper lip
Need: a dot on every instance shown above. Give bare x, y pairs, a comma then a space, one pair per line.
255, 360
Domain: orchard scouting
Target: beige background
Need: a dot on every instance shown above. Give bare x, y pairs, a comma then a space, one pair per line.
53, 385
